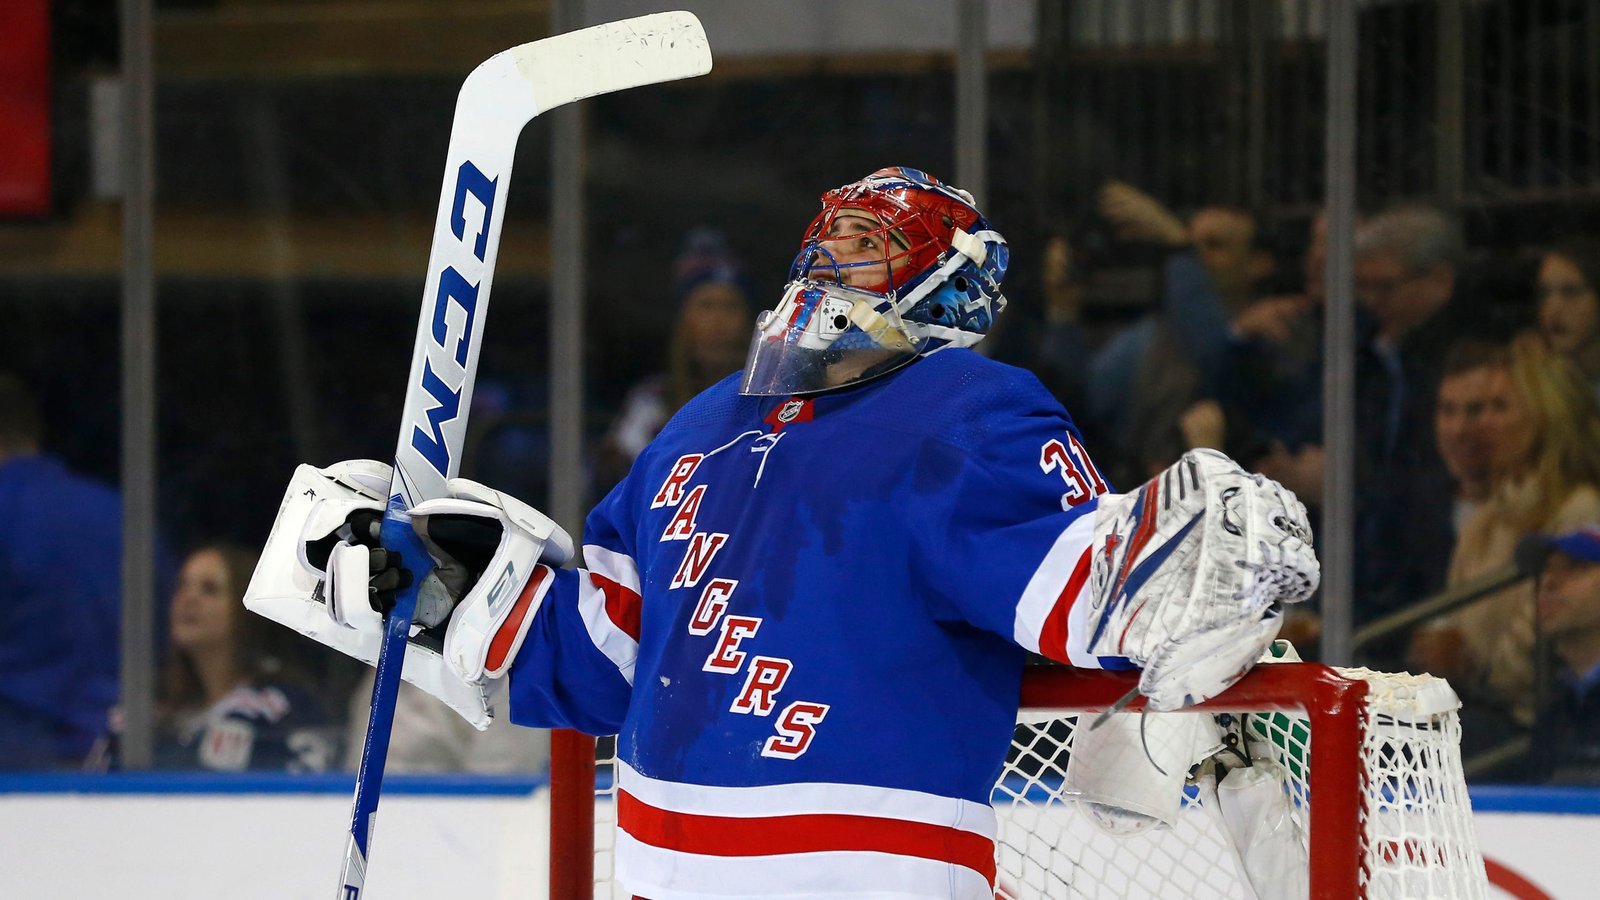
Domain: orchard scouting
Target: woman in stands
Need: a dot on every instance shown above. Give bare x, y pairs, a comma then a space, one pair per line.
710, 335
1543, 428
1568, 286
232, 696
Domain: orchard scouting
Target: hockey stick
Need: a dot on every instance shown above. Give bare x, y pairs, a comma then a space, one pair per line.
497, 99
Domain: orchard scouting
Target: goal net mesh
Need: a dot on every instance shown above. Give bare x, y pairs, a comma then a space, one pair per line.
1229, 802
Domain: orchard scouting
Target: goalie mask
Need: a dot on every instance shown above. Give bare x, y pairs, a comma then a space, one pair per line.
896, 266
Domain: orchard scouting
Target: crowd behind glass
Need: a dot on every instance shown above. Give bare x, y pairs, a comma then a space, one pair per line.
1478, 428
1162, 323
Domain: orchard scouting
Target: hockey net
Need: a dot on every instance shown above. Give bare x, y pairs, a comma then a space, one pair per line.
1374, 807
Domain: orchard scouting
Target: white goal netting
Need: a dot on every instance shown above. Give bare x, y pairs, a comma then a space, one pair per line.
1234, 802
1399, 823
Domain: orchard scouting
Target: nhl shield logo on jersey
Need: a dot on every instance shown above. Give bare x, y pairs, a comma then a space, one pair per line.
790, 411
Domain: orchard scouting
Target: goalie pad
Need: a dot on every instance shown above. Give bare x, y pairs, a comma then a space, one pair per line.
492, 618
1258, 816
1128, 774
1129, 771
289, 585
1190, 573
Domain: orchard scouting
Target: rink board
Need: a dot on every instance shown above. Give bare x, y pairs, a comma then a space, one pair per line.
181, 837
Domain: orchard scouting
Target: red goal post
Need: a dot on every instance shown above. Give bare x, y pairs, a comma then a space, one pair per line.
1391, 817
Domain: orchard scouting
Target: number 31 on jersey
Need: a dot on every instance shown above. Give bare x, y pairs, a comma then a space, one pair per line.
1076, 469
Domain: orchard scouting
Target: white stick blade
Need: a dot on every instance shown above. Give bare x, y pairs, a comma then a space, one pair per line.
613, 57
497, 99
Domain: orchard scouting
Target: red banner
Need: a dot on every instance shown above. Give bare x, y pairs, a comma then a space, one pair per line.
24, 107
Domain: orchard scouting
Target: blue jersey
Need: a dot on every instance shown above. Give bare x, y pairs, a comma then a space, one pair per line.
259, 726
807, 621
60, 567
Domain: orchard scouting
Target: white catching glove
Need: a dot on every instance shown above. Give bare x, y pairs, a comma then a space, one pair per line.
1190, 573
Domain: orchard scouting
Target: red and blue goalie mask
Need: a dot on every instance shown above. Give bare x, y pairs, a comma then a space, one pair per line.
896, 266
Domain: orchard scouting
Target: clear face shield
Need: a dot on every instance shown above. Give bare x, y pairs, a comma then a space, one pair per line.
824, 335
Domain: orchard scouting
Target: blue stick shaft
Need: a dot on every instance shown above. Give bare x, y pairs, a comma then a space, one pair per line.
397, 537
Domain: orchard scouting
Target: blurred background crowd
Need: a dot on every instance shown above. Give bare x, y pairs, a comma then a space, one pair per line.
1158, 167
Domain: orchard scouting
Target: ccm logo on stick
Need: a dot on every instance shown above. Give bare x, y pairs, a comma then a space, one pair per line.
444, 370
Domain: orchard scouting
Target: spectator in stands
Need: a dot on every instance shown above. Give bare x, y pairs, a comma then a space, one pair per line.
233, 694
1406, 262
1271, 380
1141, 381
1472, 370
1458, 424
715, 311
1543, 428
60, 580
1059, 351
1268, 405
1569, 307
1566, 734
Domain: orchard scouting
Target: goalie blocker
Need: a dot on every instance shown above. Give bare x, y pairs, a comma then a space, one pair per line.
1189, 575
323, 574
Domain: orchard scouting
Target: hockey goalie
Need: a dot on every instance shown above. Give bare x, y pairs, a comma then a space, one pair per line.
839, 557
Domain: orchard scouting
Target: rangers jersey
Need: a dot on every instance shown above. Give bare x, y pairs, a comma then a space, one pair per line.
807, 618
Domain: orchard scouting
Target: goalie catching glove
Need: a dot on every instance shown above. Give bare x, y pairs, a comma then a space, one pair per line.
325, 574
1190, 574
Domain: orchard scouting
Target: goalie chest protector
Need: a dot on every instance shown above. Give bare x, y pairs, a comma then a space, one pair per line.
840, 573
817, 594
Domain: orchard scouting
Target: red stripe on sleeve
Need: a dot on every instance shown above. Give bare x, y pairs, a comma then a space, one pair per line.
812, 833
507, 637
1053, 635
622, 605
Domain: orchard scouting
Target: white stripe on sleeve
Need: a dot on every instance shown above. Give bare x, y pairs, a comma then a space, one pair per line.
1044, 589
